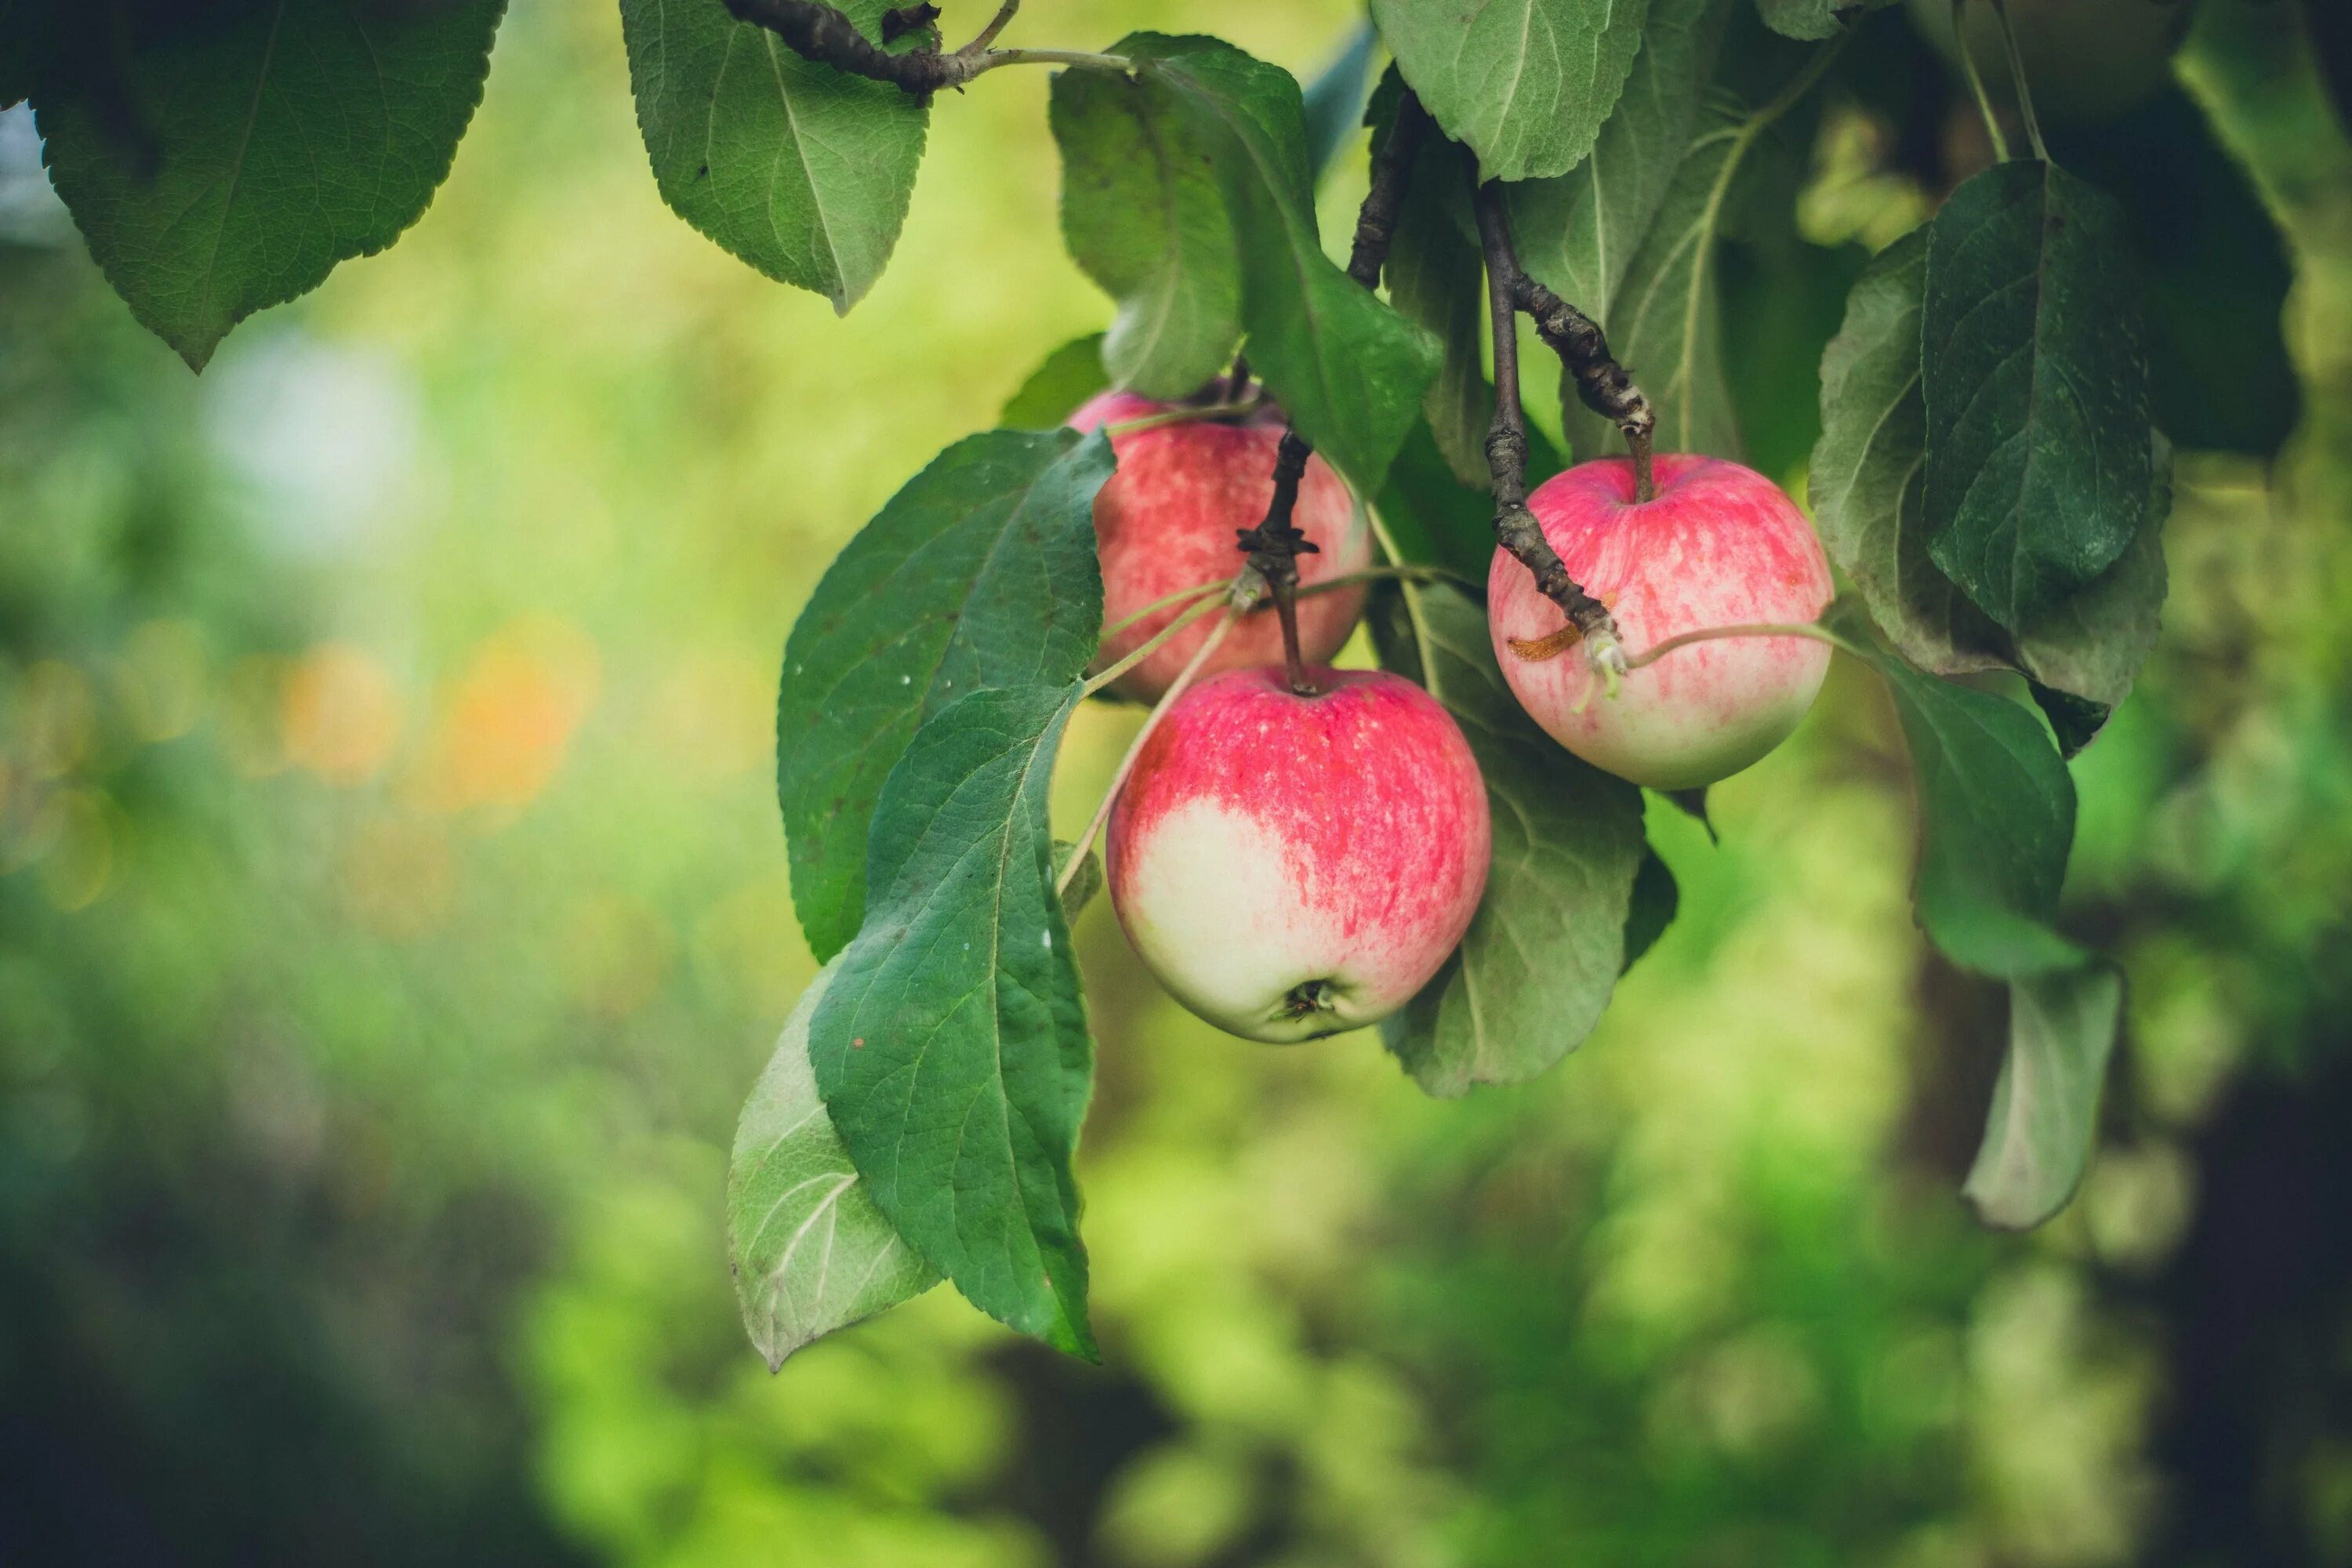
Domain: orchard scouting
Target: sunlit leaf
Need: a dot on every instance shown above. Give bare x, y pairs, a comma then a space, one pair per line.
1525, 83
227, 160
1347, 369
1144, 215
802, 170
812, 1253
951, 1045
981, 571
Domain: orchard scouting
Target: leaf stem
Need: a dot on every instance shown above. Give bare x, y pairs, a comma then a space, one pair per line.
1975, 82
1176, 688
2017, 79
1231, 410
1084, 58
1818, 633
1149, 646
1181, 596
987, 34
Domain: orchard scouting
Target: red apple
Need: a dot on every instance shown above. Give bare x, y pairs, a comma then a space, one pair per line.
1166, 523
1719, 545
1294, 867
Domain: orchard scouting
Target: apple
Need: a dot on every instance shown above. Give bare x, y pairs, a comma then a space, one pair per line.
1166, 523
1718, 545
1295, 866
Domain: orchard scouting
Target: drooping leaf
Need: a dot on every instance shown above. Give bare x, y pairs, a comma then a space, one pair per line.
1996, 820
1347, 369
811, 1252
1656, 899
1525, 83
1333, 103
1577, 233
1867, 491
1144, 215
1063, 379
1664, 326
1544, 951
227, 160
951, 1045
1814, 18
801, 170
1435, 277
2034, 378
981, 571
2039, 1133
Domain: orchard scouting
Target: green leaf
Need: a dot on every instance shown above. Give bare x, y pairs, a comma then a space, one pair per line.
801, 170
1867, 488
227, 160
981, 571
952, 1045
1347, 369
1333, 103
1814, 18
2035, 381
1144, 216
1535, 971
1656, 899
1577, 233
1434, 518
1063, 379
1665, 325
1526, 83
1996, 819
811, 1252
2043, 1122
1085, 885
1437, 279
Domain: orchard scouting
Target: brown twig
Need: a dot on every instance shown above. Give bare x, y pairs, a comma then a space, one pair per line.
1516, 528
818, 32
1602, 383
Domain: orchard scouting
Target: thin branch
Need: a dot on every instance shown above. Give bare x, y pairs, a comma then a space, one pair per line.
1602, 383
1516, 528
818, 32
1184, 415
1152, 644
1665, 646
1274, 545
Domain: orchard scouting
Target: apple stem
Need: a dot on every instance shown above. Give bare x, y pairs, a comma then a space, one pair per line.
1516, 528
1646, 486
1176, 688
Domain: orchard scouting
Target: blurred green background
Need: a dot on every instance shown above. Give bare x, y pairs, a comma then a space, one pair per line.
393, 914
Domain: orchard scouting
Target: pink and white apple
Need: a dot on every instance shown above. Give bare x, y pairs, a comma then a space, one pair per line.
1166, 523
1718, 545
1294, 867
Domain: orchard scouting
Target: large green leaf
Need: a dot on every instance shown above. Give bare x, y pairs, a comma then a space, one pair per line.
2035, 381
227, 160
1996, 819
1665, 324
1525, 83
2039, 1134
1347, 370
1145, 217
801, 170
1867, 489
811, 1252
1577, 233
951, 1045
981, 571
1535, 971
1063, 379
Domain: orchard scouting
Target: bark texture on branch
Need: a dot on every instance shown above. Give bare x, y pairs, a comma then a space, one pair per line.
818, 32
1602, 383
1516, 528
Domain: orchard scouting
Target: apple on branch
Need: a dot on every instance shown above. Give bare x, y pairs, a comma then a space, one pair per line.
1166, 521
1291, 866
1718, 545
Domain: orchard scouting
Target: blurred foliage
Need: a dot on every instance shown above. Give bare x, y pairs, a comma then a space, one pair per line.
393, 916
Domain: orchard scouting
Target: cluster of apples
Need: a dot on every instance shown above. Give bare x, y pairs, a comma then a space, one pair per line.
1291, 866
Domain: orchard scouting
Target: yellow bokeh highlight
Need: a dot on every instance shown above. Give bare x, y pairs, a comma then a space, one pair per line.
338, 714
507, 722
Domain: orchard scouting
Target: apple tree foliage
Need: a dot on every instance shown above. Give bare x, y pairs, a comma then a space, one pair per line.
1986, 473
